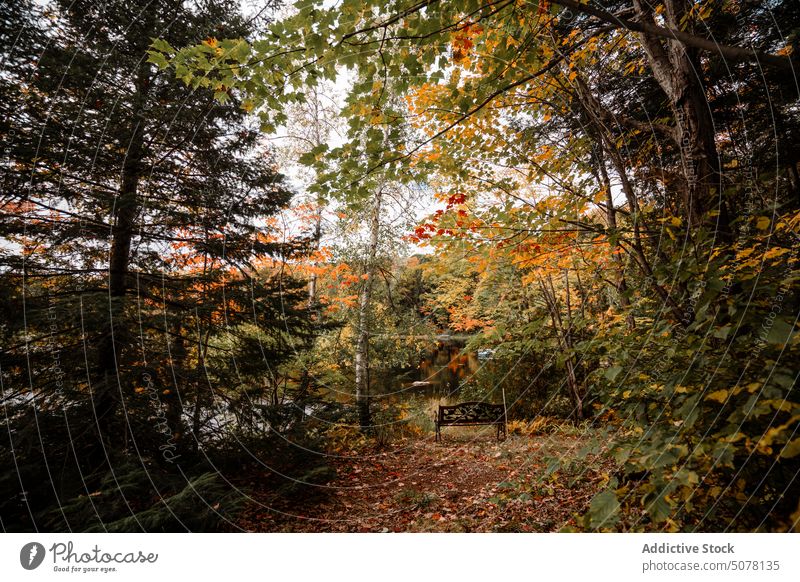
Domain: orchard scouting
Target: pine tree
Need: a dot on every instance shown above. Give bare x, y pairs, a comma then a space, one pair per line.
135, 228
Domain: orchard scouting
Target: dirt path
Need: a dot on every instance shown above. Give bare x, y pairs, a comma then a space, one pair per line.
467, 483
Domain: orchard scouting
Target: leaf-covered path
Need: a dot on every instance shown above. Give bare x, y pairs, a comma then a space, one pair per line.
467, 483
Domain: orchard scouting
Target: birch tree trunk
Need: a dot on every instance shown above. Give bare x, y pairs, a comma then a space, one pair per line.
317, 139
365, 296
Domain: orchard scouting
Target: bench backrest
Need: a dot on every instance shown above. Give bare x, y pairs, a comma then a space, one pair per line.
471, 413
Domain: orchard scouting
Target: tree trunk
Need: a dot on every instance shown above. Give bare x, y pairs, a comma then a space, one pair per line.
611, 218
573, 380
605, 141
317, 141
564, 337
174, 400
109, 388
677, 70
312, 281
201, 377
362, 341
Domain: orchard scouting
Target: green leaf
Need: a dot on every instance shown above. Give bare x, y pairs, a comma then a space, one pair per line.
241, 52
319, 150
158, 59
553, 466
307, 159
604, 509
723, 332
659, 508
779, 332
159, 44
613, 372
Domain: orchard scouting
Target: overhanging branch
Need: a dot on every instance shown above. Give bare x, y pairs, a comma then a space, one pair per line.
729, 52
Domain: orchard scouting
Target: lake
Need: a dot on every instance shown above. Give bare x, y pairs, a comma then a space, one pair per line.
439, 374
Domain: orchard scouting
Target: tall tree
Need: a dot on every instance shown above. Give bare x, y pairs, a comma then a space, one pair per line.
136, 245
582, 132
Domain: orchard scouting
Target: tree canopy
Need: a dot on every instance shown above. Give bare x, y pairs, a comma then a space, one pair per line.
273, 243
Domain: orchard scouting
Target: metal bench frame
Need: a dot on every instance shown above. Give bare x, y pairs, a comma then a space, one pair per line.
471, 414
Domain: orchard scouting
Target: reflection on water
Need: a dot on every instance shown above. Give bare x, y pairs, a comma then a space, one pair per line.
440, 373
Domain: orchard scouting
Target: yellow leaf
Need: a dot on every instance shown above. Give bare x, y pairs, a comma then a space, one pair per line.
763, 222
775, 252
792, 449
751, 387
718, 396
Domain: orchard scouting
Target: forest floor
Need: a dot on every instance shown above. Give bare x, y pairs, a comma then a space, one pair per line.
467, 483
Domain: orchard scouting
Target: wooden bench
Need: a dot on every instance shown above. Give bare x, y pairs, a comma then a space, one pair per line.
471, 414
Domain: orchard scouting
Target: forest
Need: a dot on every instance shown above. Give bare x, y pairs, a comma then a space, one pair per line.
248, 250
